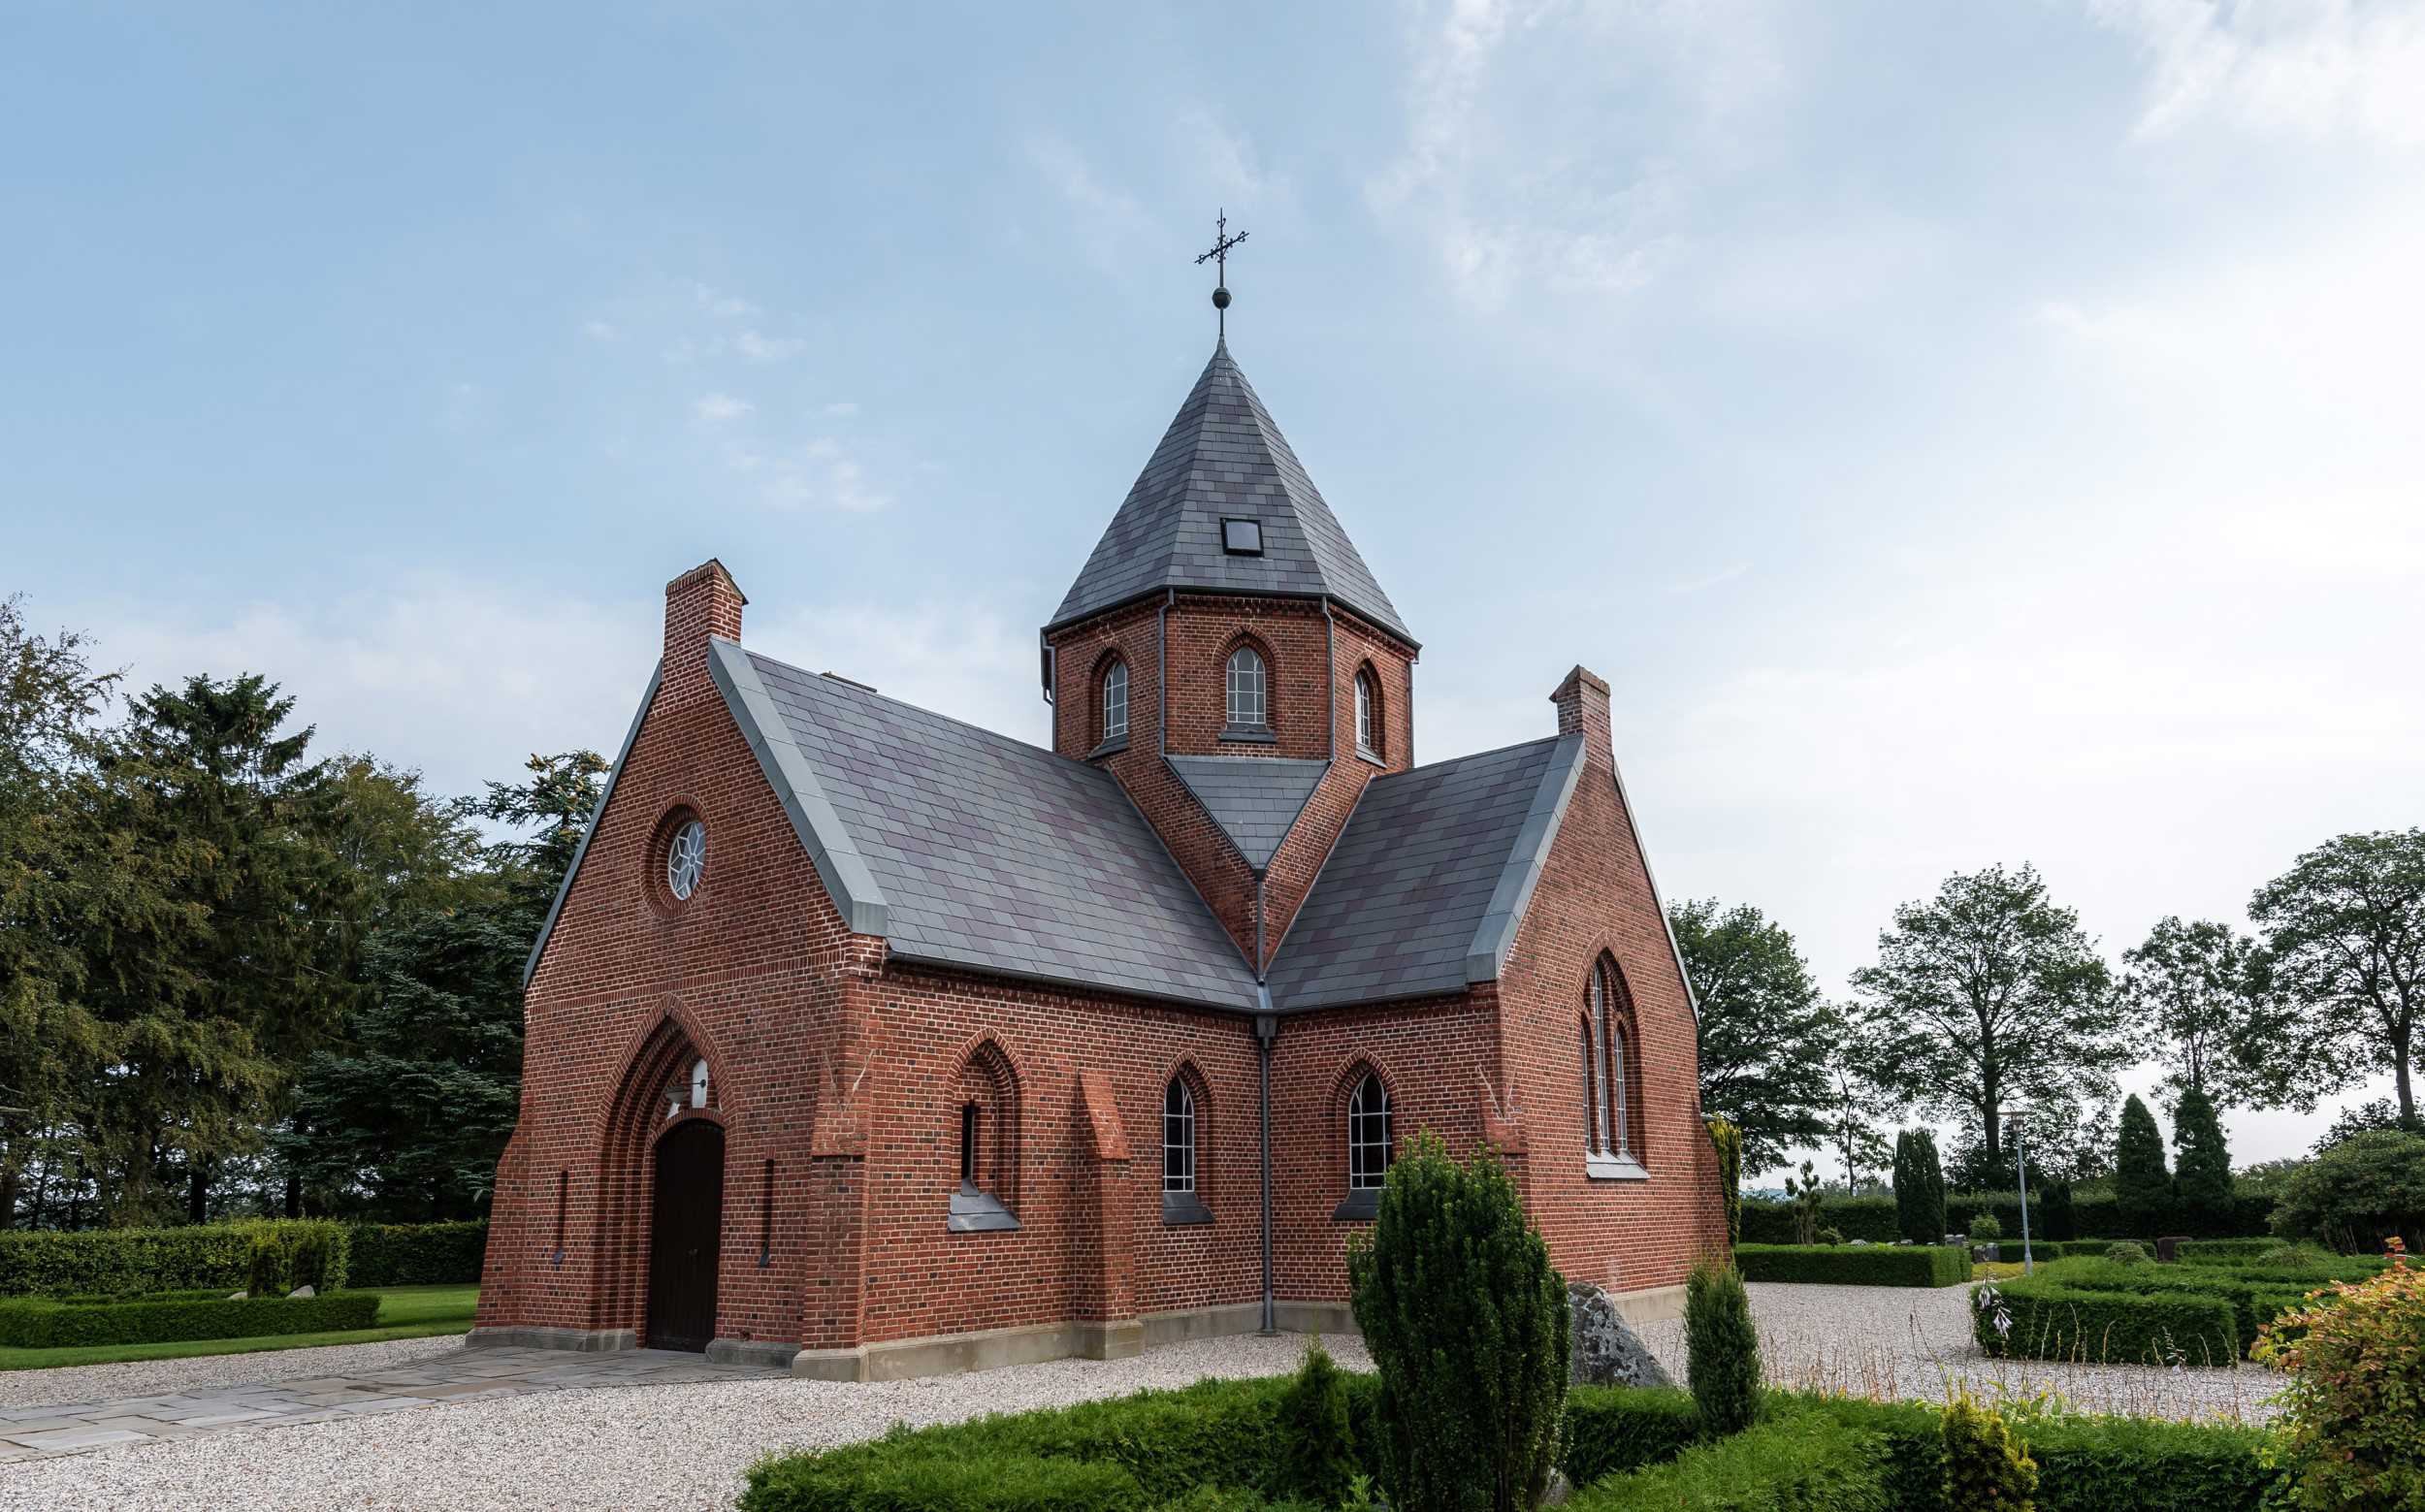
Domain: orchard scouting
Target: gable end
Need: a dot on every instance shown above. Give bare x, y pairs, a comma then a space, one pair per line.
1525, 857
563, 888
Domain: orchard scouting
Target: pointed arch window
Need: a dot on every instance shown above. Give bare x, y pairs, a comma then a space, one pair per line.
1613, 1148
1181, 1130
1369, 1148
1248, 685
1116, 700
1368, 722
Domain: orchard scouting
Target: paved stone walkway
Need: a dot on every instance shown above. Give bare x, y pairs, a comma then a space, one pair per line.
39, 1432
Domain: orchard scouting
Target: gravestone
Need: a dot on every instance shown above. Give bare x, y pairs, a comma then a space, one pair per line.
1605, 1351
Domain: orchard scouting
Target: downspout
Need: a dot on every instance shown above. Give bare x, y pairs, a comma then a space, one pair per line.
1266, 1030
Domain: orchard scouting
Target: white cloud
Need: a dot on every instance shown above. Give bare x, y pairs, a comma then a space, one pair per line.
722, 305
720, 408
841, 408
1107, 223
600, 331
757, 347
2310, 69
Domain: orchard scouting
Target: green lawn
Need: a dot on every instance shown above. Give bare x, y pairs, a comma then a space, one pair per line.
405, 1313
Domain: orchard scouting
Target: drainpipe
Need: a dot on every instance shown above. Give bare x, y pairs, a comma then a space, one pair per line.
1267, 1030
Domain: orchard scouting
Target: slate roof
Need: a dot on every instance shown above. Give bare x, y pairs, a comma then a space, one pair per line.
1428, 881
1254, 799
981, 851
1223, 458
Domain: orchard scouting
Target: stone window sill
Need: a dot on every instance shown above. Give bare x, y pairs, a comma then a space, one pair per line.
1614, 1168
978, 1212
1367, 754
1362, 1206
1180, 1209
1249, 735
1113, 745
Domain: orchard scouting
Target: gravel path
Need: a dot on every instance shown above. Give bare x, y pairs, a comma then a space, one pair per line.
687, 1446
159, 1378
654, 1447
1899, 1342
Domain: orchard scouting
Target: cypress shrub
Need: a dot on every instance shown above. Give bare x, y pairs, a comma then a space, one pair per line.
1317, 1456
1721, 1347
2142, 1187
1919, 1188
1984, 1467
2202, 1173
2062, 1223
1466, 1321
1729, 1143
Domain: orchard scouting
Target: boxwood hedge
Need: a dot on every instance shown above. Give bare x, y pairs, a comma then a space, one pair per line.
43, 1323
2051, 1320
2093, 1216
39, 1263
1855, 1265
1212, 1446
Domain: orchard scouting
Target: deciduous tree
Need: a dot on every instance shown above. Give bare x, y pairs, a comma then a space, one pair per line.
2345, 928
1990, 994
1765, 1036
2204, 992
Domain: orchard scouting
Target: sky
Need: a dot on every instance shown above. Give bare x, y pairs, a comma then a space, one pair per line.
1960, 434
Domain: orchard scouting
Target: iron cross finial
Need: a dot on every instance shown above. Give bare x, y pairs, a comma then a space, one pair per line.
1222, 241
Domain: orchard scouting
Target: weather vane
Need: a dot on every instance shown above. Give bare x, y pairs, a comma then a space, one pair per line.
1222, 241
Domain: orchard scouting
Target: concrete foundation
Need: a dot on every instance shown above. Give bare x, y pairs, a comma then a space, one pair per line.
587, 1341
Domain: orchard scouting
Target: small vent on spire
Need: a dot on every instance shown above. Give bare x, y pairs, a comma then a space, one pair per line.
1242, 537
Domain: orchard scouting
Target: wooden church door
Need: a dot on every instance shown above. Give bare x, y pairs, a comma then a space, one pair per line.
686, 1236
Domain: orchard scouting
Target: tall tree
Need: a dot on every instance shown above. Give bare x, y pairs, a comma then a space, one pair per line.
2205, 991
51, 1046
2345, 928
2202, 1163
1919, 1187
1990, 994
211, 1020
410, 1114
1858, 1112
1766, 1037
2142, 1188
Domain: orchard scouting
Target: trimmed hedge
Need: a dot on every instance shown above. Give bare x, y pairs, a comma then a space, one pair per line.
39, 1323
125, 1262
1213, 1448
1855, 1265
419, 1254
2086, 1463
2092, 1217
2055, 1320
1801, 1462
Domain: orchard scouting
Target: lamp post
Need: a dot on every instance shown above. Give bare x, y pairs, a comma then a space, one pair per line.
2021, 1162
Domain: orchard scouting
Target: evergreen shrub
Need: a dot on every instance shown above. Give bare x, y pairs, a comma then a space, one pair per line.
1984, 1466
1466, 1321
44, 1262
417, 1254
1722, 1347
1986, 1229
1799, 1463
1729, 1141
1317, 1452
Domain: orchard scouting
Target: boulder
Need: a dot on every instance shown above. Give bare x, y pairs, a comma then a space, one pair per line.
1606, 1352
303, 1291
238, 1295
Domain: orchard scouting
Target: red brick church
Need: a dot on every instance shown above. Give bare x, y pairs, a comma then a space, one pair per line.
875, 1043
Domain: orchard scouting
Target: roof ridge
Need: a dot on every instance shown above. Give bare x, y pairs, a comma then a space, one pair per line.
1470, 755
865, 691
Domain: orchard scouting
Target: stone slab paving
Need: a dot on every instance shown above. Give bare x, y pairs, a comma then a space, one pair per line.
461, 1375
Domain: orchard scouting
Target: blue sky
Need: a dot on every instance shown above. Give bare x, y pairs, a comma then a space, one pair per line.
1960, 433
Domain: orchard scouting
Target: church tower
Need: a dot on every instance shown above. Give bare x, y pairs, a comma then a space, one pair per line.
1228, 656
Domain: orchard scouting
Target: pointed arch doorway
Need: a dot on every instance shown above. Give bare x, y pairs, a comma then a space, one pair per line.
686, 1235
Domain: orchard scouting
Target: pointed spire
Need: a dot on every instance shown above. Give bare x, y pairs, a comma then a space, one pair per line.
1223, 460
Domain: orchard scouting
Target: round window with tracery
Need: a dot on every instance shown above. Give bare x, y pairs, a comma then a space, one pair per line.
685, 859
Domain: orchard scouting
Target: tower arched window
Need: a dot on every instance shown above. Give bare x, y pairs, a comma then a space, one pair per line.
1367, 731
1116, 700
1247, 687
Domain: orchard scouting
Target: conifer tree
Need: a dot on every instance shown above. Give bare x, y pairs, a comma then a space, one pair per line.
1466, 1321
1919, 1187
2202, 1171
1729, 1143
2142, 1188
